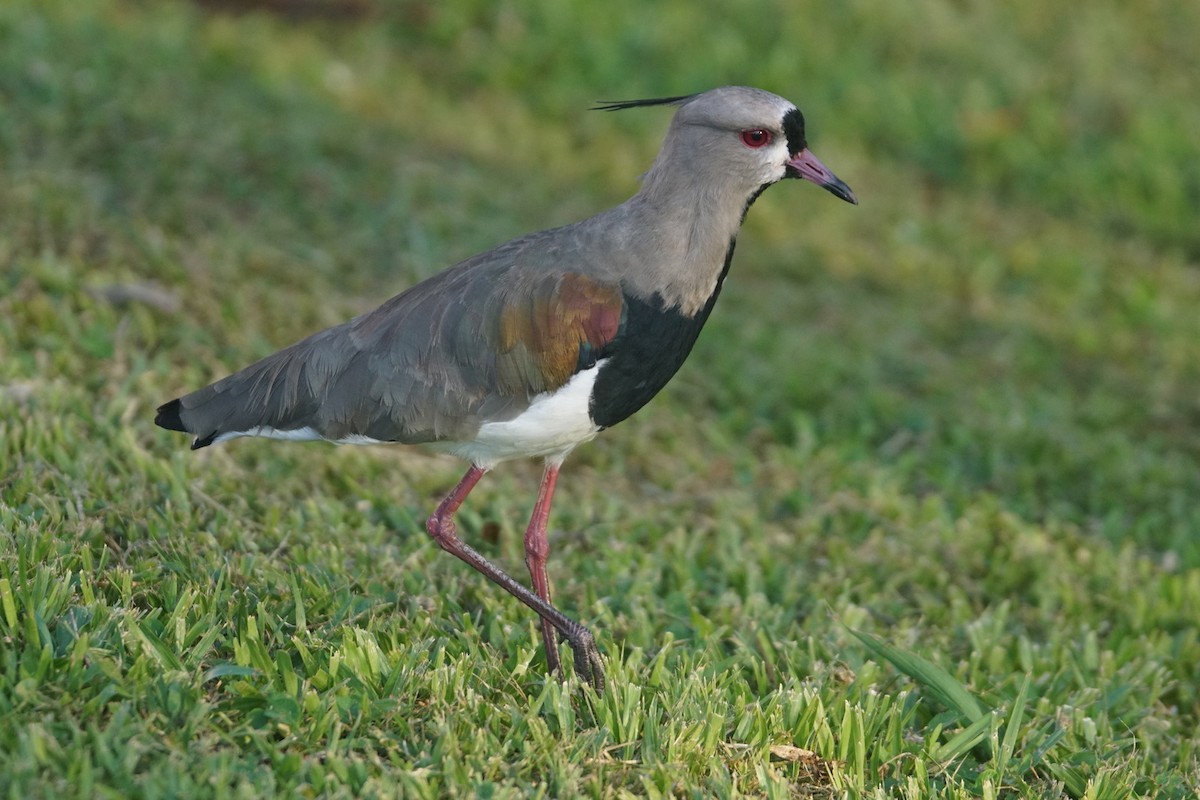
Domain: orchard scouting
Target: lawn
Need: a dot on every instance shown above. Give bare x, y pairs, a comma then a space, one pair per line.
920, 517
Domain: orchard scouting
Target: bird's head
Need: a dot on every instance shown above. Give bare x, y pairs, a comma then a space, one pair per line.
741, 134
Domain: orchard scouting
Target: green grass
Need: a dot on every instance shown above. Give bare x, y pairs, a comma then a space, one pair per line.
919, 518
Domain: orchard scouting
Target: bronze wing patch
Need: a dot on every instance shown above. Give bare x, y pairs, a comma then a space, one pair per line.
560, 326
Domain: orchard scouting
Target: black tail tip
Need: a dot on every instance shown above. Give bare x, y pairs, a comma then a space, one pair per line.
169, 416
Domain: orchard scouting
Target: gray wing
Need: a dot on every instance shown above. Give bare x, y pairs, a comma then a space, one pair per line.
473, 344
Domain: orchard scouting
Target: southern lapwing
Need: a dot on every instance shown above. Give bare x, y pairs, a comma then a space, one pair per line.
535, 346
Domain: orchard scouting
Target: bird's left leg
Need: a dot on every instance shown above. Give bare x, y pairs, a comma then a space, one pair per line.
537, 550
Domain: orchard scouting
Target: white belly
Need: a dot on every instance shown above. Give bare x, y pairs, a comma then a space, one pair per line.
550, 428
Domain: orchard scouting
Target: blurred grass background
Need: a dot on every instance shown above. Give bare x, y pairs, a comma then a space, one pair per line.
964, 416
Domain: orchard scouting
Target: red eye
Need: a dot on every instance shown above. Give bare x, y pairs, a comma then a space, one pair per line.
756, 138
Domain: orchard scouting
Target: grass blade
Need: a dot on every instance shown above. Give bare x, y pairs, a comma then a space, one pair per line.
965, 740
1012, 728
939, 683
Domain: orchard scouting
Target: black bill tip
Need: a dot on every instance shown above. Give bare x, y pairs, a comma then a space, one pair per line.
838, 188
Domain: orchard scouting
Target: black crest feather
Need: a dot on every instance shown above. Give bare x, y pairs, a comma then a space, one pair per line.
620, 105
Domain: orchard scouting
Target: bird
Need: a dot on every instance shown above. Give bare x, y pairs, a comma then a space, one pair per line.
535, 346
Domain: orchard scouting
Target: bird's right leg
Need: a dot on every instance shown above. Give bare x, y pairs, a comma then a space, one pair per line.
537, 549
443, 530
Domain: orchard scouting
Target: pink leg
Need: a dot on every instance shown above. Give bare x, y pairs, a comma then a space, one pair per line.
443, 530
537, 549
444, 516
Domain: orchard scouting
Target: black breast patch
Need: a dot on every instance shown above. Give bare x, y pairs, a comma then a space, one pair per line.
652, 346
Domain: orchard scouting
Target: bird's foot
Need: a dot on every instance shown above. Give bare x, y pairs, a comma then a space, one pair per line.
588, 664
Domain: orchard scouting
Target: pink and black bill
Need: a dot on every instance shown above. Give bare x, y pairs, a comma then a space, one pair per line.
806, 166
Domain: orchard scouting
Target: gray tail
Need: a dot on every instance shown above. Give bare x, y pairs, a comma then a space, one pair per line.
273, 392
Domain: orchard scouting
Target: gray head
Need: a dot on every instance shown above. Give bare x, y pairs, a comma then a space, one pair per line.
738, 134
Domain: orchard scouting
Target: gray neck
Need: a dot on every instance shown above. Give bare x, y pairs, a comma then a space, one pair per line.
675, 234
